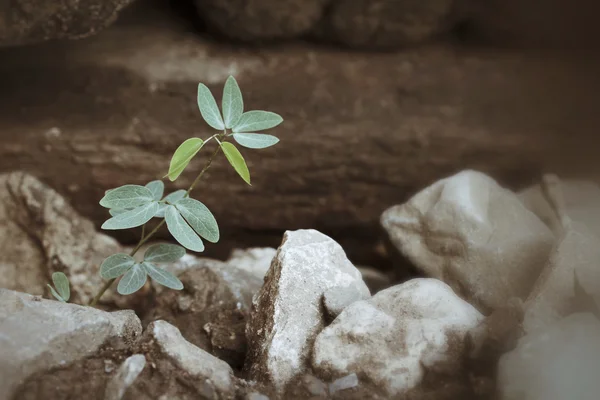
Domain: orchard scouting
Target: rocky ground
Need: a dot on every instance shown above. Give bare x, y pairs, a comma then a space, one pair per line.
507, 284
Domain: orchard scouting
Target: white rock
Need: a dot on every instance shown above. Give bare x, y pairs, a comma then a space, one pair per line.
389, 339
474, 235
37, 334
125, 376
288, 312
256, 260
191, 359
559, 363
338, 298
554, 295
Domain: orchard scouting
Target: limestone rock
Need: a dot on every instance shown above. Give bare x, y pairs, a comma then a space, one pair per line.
31, 21
474, 235
40, 233
256, 260
392, 339
388, 23
557, 363
571, 275
125, 377
287, 312
261, 19
210, 377
338, 298
213, 308
37, 335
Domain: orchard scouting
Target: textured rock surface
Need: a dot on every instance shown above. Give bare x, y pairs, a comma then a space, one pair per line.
120, 103
561, 362
199, 371
392, 339
31, 21
257, 20
255, 261
213, 308
339, 297
474, 235
40, 233
387, 23
287, 312
125, 377
37, 335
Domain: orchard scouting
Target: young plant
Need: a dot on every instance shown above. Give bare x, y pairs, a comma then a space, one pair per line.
188, 220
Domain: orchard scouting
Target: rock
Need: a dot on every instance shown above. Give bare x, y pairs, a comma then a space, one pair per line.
40, 233
125, 377
560, 362
210, 377
474, 235
393, 338
256, 396
338, 298
306, 386
287, 312
572, 273
37, 335
31, 21
212, 309
260, 20
385, 23
344, 383
578, 200
374, 279
255, 261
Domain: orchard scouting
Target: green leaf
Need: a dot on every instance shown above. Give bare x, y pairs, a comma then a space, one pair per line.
61, 282
200, 218
163, 277
132, 281
127, 196
164, 252
157, 188
233, 102
56, 295
132, 218
253, 121
114, 212
183, 155
174, 197
116, 265
236, 160
255, 140
208, 108
181, 231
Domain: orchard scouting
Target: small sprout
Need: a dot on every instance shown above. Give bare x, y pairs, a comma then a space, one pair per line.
61, 283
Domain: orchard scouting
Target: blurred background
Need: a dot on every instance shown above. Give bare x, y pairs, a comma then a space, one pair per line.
380, 98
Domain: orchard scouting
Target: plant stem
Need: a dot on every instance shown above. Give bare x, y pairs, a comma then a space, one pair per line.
145, 238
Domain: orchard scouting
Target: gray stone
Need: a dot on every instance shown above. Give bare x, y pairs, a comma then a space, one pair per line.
256, 260
391, 339
287, 312
213, 376
474, 235
337, 298
213, 308
125, 377
343, 383
31, 21
557, 363
37, 335
256, 396
40, 233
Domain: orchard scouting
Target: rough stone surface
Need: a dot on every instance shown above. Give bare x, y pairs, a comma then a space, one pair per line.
210, 377
31, 21
387, 124
474, 235
40, 233
213, 308
561, 362
255, 261
571, 275
287, 311
125, 377
257, 20
392, 339
385, 23
338, 298
37, 335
